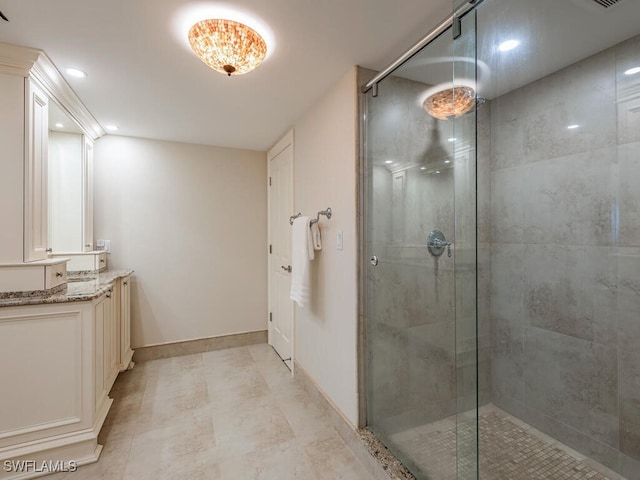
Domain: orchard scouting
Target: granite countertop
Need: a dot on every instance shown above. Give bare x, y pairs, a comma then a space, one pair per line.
79, 288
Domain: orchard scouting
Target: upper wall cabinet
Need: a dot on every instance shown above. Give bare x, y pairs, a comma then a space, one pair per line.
29, 86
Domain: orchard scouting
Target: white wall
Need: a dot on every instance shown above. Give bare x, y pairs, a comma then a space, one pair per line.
325, 176
191, 221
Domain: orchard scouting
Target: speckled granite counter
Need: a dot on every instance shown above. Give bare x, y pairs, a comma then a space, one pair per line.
79, 288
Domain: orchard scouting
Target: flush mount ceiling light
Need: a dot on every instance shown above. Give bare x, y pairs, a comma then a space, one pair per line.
112, 128
227, 46
632, 71
450, 101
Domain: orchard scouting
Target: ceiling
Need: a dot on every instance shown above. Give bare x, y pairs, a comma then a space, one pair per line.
143, 77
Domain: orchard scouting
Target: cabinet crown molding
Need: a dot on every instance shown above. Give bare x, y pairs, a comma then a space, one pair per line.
33, 63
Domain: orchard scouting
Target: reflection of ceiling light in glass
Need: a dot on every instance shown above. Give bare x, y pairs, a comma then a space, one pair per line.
59, 125
437, 171
452, 139
573, 127
632, 71
423, 168
450, 101
447, 161
74, 72
508, 45
388, 162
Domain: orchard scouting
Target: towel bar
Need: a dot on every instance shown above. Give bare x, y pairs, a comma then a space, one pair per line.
326, 213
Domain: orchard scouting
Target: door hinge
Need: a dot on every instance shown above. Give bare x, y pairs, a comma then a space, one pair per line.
270, 248
270, 317
269, 181
457, 27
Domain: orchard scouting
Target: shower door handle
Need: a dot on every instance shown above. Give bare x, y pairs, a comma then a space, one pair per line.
374, 260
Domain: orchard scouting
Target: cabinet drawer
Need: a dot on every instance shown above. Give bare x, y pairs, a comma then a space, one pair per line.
55, 275
101, 262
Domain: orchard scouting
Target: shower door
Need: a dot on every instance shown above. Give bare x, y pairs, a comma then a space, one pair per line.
420, 235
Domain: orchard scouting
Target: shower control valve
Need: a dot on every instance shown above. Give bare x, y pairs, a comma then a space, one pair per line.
436, 243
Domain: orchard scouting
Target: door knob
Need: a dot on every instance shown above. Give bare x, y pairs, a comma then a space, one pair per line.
287, 268
374, 260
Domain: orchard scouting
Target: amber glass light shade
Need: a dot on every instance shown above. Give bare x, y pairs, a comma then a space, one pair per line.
226, 46
450, 102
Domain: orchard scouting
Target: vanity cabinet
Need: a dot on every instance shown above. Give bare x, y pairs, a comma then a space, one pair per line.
64, 359
55, 393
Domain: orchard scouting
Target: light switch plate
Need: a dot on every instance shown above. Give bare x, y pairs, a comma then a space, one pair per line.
339, 240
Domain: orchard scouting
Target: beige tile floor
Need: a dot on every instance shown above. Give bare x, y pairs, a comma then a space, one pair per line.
230, 414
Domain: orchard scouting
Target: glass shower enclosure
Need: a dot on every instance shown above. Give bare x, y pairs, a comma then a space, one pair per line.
502, 242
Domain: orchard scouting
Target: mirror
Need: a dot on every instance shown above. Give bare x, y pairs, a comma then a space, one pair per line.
69, 185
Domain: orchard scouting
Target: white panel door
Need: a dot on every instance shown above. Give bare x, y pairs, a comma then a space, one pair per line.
281, 330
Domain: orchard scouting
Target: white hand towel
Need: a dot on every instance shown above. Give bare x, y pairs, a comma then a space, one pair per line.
301, 256
315, 235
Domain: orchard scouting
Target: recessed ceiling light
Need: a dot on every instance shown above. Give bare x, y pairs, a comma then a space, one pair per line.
111, 128
423, 168
452, 139
59, 125
447, 161
508, 45
388, 162
437, 171
573, 127
74, 72
632, 71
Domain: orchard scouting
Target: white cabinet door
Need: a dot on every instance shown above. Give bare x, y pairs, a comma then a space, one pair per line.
106, 347
100, 315
35, 173
88, 195
111, 341
126, 354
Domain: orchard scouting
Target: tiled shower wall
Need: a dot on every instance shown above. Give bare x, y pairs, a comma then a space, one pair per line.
565, 256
